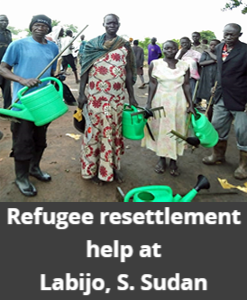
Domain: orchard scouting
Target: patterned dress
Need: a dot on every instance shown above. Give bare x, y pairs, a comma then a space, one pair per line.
170, 95
106, 96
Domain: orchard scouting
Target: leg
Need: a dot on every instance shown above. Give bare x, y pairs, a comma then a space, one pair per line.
6, 88
240, 126
23, 147
192, 85
40, 145
64, 63
222, 120
72, 64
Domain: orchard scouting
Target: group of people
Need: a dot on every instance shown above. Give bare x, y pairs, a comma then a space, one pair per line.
109, 68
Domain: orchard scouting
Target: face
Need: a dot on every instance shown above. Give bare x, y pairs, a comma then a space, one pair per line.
170, 50
212, 45
111, 25
231, 35
153, 40
4, 22
39, 30
185, 44
195, 37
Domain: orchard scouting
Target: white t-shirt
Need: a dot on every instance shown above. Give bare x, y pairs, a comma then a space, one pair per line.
65, 43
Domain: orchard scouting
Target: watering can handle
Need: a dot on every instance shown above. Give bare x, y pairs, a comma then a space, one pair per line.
60, 91
131, 193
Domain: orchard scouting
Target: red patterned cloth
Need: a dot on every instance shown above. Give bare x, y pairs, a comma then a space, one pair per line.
225, 52
106, 96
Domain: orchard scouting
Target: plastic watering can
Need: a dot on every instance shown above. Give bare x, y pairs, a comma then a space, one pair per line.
40, 106
161, 193
204, 130
133, 126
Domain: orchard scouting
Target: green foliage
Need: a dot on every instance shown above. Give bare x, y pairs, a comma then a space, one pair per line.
29, 33
54, 23
144, 44
176, 41
207, 35
234, 4
13, 30
71, 27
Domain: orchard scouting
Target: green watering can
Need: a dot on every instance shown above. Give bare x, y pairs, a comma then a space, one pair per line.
204, 130
161, 193
40, 106
133, 126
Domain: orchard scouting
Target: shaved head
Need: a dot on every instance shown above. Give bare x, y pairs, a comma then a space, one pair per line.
235, 26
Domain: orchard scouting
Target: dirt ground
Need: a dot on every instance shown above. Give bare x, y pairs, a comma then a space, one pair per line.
61, 161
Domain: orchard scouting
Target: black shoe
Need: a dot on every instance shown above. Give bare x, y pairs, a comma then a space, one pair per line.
22, 180
35, 169
38, 174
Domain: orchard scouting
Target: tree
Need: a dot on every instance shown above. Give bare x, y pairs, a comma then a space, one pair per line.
54, 23
207, 35
71, 27
234, 4
13, 30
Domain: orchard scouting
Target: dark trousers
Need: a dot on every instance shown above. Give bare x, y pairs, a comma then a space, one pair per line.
68, 60
5, 85
27, 139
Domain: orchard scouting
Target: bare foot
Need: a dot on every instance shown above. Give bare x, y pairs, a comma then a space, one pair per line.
174, 168
97, 181
118, 176
161, 166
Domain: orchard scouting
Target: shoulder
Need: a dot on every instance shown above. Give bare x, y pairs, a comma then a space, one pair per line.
243, 45
183, 64
196, 53
8, 31
52, 45
20, 42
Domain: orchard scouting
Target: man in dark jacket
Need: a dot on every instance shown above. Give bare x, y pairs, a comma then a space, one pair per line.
139, 56
5, 40
231, 98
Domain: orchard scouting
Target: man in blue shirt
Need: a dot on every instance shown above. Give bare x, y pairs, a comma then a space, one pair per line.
28, 57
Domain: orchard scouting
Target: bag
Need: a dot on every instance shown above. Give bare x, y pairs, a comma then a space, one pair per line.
79, 120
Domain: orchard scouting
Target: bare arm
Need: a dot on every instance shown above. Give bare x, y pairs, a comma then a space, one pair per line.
82, 99
182, 52
5, 71
207, 62
187, 92
129, 85
153, 83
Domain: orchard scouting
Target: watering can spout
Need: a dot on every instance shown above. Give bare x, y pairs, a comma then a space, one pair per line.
202, 183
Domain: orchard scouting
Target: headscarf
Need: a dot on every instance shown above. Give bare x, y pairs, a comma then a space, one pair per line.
55, 32
96, 48
55, 36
